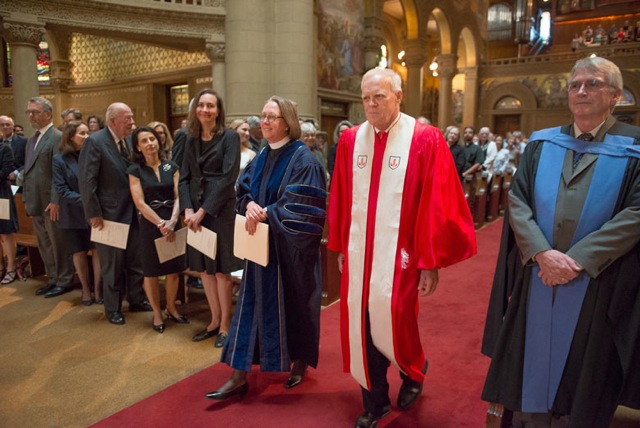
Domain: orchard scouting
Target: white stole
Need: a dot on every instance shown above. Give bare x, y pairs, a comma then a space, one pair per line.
394, 167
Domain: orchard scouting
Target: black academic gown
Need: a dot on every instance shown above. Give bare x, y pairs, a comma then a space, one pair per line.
603, 365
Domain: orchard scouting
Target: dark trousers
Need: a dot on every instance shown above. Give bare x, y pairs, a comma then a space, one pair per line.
121, 273
376, 401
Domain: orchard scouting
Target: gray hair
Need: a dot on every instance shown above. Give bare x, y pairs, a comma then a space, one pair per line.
307, 128
253, 121
336, 131
600, 67
41, 101
394, 79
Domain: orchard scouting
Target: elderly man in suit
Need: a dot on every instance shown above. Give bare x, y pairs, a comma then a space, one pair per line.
18, 145
104, 189
40, 199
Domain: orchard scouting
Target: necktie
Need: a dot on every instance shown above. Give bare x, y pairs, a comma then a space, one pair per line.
382, 136
31, 147
124, 151
576, 156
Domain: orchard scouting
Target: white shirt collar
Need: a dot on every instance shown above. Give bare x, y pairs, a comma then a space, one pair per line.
390, 126
577, 131
281, 143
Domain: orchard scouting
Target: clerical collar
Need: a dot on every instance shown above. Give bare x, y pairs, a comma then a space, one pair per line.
279, 144
577, 131
391, 126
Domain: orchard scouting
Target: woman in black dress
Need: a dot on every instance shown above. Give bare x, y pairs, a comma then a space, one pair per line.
207, 194
7, 227
154, 188
71, 220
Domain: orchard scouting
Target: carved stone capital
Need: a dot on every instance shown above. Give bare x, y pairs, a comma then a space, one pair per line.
215, 51
23, 33
373, 33
447, 66
415, 52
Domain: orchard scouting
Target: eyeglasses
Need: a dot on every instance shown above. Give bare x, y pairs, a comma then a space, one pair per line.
589, 85
33, 112
269, 117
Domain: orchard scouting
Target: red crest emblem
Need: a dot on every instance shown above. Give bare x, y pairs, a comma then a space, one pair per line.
362, 161
394, 162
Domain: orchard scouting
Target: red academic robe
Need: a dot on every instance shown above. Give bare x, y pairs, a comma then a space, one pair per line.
400, 202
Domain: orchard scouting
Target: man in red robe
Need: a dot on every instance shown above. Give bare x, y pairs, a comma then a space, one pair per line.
396, 214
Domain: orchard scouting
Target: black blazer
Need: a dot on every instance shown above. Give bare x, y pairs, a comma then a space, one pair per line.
65, 182
104, 184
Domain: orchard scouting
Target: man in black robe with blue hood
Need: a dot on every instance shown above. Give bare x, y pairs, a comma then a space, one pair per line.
564, 315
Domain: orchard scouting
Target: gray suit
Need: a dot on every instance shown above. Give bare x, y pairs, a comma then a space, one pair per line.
104, 190
37, 194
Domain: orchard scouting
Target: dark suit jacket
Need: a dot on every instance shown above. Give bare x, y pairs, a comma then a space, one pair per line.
18, 146
104, 184
177, 151
38, 187
65, 181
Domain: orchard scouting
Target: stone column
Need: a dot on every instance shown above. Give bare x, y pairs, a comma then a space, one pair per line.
373, 39
446, 71
415, 57
248, 57
23, 41
215, 52
59, 43
470, 96
294, 60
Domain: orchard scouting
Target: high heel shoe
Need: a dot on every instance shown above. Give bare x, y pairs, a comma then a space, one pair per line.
296, 375
159, 328
181, 320
219, 394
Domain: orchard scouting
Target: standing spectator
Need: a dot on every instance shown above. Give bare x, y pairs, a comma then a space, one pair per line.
70, 114
207, 194
19, 130
576, 42
41, 200
166, 140
255, 137
154, 187
457, 151
309, 138
489, 149
73, 225
562, 325
278, 311
95, 123
104, 190
246, 151
17, 143
473, 152
407, 167
331, 156
7, 227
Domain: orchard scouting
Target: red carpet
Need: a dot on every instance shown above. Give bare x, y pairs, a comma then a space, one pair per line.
452, 321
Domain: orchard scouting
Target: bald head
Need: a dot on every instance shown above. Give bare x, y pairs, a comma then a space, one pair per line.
120, 119
6, 126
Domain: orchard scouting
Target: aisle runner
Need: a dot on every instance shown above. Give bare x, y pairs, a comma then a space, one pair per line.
451, 322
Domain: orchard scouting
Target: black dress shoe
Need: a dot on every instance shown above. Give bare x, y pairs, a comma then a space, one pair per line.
42, 290
369, 420
87, 302
180, 320
159, 328
297, 374
205, 334
410, 391
99, 301
220, 340
57, 291
140, 307
240, 390
115, 317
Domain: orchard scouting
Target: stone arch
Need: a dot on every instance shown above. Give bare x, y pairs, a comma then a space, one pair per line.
446, 42
471, 51
513, 89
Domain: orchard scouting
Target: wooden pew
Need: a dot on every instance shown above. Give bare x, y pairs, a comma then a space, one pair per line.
494, 197
26, 237
506, 185
480, 200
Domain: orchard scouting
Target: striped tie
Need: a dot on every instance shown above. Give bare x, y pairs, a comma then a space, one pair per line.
576, 156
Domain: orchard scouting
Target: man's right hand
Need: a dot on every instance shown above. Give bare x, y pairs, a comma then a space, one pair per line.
556, 268
97, 223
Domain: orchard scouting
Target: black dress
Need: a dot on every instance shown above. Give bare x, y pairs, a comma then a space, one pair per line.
155, 190
6, 167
